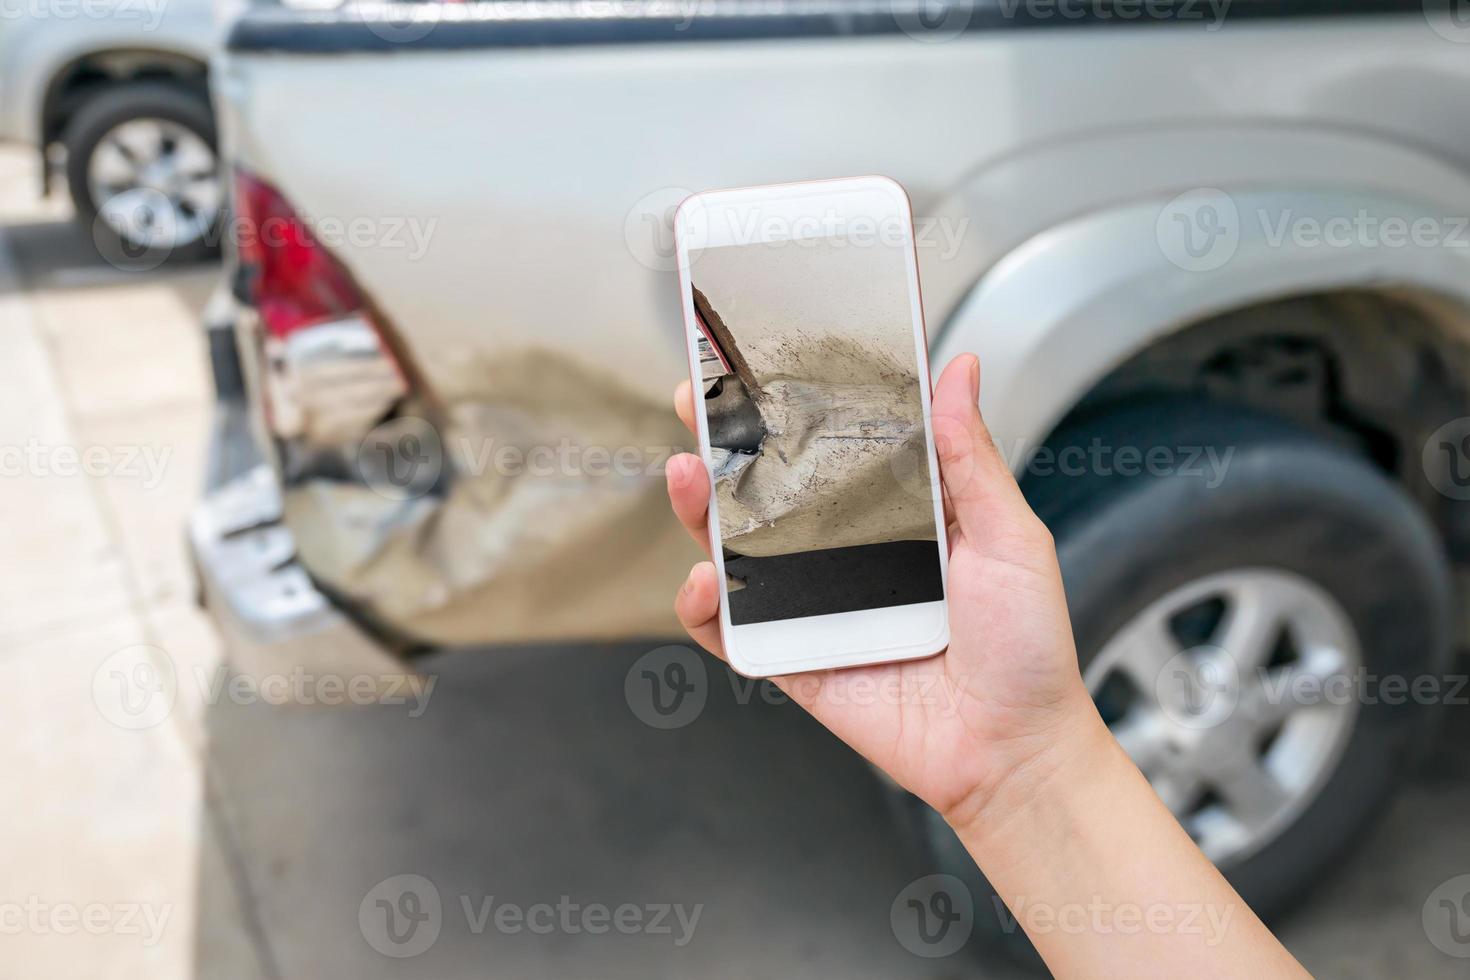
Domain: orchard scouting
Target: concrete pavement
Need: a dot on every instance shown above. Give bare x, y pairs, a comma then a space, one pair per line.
102, 409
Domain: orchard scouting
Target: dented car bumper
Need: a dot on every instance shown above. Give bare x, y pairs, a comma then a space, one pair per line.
269, 611
271, 614
531, 510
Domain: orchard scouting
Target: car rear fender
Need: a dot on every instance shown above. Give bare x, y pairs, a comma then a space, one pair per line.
1058, 312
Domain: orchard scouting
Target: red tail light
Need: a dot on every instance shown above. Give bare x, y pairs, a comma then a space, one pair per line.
328, 376
294, 282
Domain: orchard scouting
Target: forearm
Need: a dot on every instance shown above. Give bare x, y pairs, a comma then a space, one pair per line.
1104, 880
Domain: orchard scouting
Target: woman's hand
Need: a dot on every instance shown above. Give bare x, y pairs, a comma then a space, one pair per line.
1005, 703
999, 735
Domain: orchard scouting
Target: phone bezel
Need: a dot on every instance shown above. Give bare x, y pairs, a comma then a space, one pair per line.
750, 215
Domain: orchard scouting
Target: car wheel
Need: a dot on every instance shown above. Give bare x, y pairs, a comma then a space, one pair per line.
1237, 613
144, 176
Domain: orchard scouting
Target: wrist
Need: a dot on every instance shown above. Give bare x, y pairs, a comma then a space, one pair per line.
1077, 752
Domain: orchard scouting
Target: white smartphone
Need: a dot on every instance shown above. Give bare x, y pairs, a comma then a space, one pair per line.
811, 376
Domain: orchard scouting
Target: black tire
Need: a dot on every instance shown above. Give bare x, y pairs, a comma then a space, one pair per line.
93, 119
1288, 500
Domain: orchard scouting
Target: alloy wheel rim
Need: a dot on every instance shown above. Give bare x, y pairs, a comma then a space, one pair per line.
155, 183
1222, 692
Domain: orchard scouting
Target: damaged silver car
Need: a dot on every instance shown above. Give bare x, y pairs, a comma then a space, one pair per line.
445, 357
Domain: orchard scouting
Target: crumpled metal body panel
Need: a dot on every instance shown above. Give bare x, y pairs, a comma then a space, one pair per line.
540, 534
826, 332
840, 466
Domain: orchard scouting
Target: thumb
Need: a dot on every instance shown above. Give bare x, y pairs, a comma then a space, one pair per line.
987, 503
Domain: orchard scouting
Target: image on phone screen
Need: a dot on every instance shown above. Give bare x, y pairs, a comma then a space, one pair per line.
810, 384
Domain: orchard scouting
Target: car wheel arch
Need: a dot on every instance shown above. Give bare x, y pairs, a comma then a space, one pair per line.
84, 74
1055, 316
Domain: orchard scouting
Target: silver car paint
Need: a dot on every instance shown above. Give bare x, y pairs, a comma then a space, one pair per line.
1046, 162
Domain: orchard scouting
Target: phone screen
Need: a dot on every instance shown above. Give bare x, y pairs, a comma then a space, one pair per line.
810, 383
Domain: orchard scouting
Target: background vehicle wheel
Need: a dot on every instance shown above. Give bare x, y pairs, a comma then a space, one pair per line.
143, 174
1214, 605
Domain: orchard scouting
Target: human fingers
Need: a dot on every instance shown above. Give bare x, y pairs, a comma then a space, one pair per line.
684, 403
983, 495
698, 607
689, 494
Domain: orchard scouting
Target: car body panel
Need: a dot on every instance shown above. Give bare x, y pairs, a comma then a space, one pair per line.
541, 248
